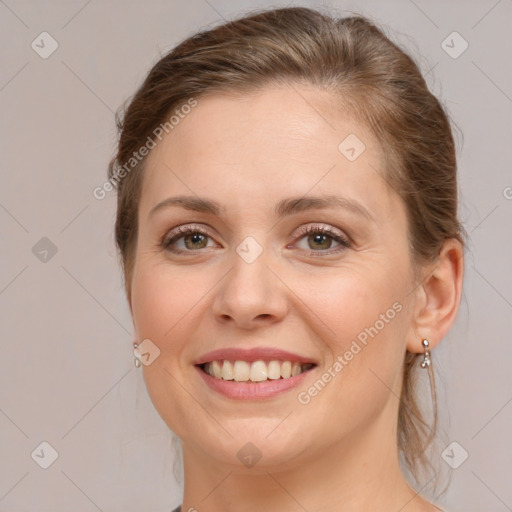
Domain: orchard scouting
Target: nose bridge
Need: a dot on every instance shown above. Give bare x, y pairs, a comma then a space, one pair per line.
250, 290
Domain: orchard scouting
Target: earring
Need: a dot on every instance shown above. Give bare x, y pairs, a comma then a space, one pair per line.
136, 353
426, 356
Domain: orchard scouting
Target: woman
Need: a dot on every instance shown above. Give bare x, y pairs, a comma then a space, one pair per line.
287, 222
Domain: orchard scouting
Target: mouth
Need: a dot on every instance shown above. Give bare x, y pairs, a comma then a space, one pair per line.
254, 371
258, 373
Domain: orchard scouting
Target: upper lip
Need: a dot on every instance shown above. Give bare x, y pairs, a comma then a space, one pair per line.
251, 355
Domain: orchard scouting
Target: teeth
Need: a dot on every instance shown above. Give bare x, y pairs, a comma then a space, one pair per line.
257, 371
227, 371
274, 370
286, 370
241, 371
217, 369
296, 369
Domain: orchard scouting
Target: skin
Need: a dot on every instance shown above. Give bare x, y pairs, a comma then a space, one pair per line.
248, 152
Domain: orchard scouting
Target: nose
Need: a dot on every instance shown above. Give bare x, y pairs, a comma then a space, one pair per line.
251, 295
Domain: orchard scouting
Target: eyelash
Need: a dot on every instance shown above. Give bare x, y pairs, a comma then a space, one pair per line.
180, 232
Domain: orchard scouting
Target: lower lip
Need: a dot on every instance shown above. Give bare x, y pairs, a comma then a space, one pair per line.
252, 390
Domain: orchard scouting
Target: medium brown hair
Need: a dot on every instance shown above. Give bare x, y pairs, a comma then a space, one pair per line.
376, 80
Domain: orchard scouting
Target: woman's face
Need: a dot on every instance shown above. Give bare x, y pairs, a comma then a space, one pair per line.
257, 286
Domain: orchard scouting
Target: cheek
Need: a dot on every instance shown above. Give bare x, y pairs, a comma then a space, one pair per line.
159, 301
351, 303
168, 304
164, 304
363, 322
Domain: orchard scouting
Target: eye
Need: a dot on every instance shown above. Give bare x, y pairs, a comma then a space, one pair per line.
193, 237
320, 238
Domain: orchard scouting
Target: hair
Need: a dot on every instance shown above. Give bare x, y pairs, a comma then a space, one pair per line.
377, 81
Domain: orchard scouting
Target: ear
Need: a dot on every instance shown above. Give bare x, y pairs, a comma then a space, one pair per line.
438, 298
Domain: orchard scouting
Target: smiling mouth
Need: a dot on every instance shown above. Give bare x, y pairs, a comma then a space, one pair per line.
255, 371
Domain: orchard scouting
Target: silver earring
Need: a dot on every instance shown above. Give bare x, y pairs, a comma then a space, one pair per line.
136, 353
426, 356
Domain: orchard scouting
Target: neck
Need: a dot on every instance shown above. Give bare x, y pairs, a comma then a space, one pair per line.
362, 473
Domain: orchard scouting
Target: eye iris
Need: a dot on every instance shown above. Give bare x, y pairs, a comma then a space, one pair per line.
197, 238
317, 239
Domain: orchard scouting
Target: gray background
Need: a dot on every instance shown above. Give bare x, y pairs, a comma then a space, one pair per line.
66, 367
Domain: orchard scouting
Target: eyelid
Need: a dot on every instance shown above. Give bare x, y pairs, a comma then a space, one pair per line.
184, 230
326, 228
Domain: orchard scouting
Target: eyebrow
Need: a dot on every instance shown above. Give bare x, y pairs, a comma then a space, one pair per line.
289, 206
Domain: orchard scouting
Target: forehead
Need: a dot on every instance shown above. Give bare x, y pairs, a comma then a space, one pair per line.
282, 141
